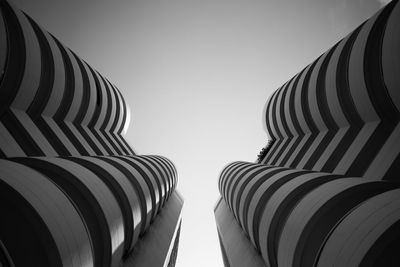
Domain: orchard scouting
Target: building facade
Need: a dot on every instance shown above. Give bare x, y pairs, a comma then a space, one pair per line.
326, 191
72, 190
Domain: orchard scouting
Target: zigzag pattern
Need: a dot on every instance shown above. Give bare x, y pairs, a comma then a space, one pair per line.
341, 113
72, 191
106, 201
53, 103
326, 193
303, 218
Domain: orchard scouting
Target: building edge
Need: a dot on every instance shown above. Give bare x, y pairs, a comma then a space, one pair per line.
161, 237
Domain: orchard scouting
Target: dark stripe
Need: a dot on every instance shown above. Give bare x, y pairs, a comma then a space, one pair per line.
130, 152
373, 73
117, 108
15, 65
74, 140
44, 91
123, 123
319, 150
118, 193
168, 179
320, 226
46, 76
23, 223
323, 110
2, 154
97, 112
84, 106
107, 117
221, 177
232, 169
85, 92
162, 177
322, 100
16, 56
229, 178
266, 195
392, 173
83, 201
3, 51
275, 126
132, 179
223, 174
171, 170
237, 181
99, 96
116, 119
342, 82
303, 150
307, 117
20, 134
156, 178
284, 124
109, 105
384, 251
304, 98
51, 137
294, 120
346, 103
125, 108
269, 128
87, 138
168, 170
233, 178
378, 94
252, 190
285, 208
111, 141
241, 189
101, 141
370, 150
340, 150
292, 109
147, 181
121, 148
69, 87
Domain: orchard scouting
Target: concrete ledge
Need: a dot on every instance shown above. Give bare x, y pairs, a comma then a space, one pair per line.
236, 247
155, 247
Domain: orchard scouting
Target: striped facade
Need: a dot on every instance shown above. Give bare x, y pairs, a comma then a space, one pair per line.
72, 190
326, 192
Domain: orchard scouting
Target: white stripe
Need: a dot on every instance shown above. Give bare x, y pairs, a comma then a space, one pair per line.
34, 132
386, 156
8, 144
33, 65
60, 134
78, 135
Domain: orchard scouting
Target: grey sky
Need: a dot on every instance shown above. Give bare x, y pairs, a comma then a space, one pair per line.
196, 75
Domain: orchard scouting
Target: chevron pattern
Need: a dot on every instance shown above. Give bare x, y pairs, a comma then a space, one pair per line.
341, 113
291, 215
53, 103
72, 190
327, 191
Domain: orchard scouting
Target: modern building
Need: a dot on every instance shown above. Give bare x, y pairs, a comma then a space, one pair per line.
72, 190
326, 191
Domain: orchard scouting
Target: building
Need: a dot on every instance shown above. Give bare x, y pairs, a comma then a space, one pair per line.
326, 190
72, 190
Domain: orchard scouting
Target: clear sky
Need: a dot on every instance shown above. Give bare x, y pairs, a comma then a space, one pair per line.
196, 75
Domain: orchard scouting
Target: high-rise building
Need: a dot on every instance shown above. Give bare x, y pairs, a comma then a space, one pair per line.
325, 191
72, 190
